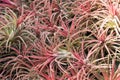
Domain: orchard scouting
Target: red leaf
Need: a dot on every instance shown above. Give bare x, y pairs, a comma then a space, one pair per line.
72, 25
102, 37
21, 19
55, 6
112, 8
86, 7
8, 3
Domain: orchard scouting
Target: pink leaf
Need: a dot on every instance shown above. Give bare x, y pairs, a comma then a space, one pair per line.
72, 25
8, 3
112, 8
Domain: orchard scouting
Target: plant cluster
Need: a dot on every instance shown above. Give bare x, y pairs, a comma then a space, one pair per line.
59, 39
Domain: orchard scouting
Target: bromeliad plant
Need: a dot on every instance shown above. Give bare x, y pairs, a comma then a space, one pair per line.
12, 33
60, 40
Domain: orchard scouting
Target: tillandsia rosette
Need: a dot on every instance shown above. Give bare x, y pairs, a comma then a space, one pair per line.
59, 39
112, 23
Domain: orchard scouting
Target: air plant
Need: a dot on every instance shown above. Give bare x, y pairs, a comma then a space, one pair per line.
23, 67
11, 33
60, 40
8, 3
